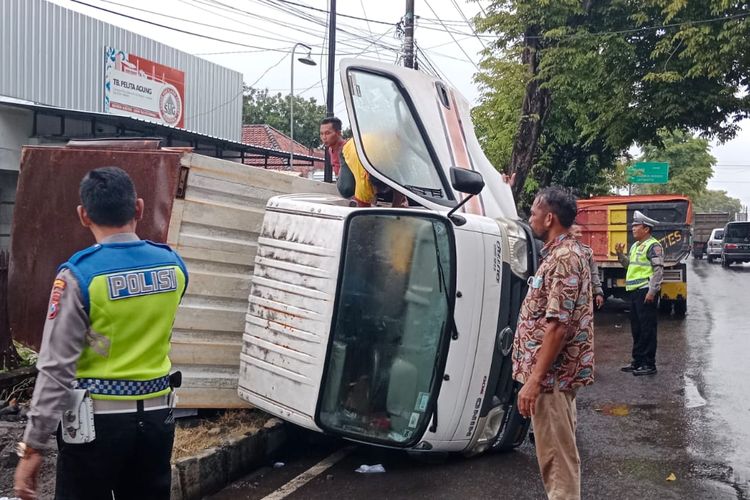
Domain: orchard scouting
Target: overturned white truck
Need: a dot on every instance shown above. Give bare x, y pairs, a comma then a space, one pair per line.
394, 326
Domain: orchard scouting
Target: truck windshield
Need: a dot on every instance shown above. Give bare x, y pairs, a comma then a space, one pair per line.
393, 310
390, 137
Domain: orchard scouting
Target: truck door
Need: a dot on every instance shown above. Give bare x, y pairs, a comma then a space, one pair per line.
410, 128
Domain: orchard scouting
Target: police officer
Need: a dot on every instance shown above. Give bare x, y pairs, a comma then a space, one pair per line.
645, 270
108, 331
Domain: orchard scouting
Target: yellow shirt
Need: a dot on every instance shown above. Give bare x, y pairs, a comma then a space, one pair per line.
364, 191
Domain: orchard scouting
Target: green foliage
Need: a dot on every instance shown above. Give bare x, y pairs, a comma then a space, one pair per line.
260, 107
501, 86
716, 201
615, 80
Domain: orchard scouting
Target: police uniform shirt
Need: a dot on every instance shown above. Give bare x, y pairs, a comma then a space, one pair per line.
63, 341
655, 256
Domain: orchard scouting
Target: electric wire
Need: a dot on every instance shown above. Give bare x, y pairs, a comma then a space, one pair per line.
172, 28
471, 26
453, 37
243, 89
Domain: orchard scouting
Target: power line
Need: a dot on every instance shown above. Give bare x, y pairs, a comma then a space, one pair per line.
362, 4
338, 14
207, 37
471, 27
222, 28
243, 89
204, 6
453, 37
319, 21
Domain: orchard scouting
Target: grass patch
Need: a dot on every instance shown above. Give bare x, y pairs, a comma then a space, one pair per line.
194, 436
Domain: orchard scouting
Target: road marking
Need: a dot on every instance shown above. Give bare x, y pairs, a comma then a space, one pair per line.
308, 475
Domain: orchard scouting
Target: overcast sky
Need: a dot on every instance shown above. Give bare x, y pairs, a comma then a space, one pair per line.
263, 32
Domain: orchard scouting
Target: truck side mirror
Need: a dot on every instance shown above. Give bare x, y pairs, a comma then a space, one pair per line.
466, 181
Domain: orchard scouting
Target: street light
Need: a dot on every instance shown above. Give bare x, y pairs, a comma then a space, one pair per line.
304, 60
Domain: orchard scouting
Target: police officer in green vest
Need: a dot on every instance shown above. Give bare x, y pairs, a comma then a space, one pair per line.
104, 384
645, 270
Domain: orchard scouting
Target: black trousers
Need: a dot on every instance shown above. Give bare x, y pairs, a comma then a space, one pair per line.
643, 318
130, 457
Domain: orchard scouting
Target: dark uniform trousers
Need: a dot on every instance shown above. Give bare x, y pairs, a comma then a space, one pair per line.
643, 318
130, 457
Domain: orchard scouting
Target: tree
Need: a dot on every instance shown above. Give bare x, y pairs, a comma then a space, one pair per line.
717, 201
260, 107
614, 73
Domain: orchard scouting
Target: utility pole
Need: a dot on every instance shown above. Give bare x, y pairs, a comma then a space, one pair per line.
328, 169
409, 35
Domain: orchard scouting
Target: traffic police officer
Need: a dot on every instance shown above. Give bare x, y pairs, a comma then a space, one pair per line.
645, 270
108, 332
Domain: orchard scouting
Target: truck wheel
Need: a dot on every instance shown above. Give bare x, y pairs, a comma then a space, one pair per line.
710, 259
513, 431
680, 307
724, 261
665, 306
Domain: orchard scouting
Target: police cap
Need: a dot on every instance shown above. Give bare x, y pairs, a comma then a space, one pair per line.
639, 218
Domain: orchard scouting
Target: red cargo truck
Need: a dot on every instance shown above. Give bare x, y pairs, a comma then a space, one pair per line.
606, 222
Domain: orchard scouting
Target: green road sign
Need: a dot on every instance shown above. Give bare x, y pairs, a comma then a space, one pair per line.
648, 172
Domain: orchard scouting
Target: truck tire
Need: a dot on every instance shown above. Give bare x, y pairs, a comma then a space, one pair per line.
710, 259
724, 261
680, 307
665, 306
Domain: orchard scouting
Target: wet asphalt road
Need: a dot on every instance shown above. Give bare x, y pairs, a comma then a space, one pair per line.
692, 420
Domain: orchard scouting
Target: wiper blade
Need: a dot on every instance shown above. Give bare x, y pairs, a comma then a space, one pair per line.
425, 191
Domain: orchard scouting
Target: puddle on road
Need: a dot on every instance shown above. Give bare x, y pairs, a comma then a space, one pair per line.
693, 398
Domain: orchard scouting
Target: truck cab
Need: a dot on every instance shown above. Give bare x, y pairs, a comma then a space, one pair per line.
394, 326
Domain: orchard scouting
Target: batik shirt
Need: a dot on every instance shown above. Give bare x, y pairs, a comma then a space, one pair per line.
561, 289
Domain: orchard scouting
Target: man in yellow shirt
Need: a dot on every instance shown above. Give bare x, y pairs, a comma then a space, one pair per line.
366, 189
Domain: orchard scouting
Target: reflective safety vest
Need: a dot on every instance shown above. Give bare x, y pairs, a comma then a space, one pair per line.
131, 291
639, 267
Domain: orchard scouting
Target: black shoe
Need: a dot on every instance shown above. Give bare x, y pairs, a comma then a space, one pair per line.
644, 370
628, 368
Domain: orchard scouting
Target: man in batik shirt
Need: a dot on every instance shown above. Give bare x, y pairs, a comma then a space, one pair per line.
554, 345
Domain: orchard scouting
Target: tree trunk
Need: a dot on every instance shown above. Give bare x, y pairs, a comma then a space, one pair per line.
536, 102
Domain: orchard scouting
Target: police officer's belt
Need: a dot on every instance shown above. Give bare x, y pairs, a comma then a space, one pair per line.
123, 387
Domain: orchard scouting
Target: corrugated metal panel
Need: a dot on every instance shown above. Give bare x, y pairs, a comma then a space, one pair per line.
55, 56
215, 229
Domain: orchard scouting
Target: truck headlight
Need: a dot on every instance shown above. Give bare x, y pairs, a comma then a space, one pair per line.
519, 248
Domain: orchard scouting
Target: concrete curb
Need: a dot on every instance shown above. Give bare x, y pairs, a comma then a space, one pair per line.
213, 469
